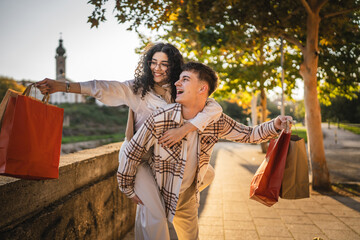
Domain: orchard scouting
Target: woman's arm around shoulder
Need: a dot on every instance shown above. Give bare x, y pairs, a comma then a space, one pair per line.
211, 113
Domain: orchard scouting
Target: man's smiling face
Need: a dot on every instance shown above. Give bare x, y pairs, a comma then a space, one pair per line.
188, 87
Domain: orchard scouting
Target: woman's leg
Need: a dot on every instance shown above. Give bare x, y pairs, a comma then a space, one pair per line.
151, 221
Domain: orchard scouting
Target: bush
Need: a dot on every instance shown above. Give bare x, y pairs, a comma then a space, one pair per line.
91, 119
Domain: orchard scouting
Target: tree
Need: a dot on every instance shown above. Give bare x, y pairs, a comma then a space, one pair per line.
342, 109
234, 110
250, 67
299, 111
304, 23
6, 83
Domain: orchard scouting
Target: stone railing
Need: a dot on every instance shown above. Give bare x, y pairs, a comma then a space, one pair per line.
84, 203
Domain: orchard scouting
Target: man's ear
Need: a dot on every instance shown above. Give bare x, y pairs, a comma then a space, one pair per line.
204, 89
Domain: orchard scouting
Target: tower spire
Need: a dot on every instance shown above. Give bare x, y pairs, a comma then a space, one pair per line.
60, 60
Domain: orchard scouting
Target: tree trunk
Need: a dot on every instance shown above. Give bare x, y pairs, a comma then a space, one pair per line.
263, 103
254, 114
308, 70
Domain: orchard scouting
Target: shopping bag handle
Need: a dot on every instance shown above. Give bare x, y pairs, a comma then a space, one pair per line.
45, 99
28, 89
287, 127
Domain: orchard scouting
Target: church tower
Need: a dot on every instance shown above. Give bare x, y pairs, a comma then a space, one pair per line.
60, 61
62, 97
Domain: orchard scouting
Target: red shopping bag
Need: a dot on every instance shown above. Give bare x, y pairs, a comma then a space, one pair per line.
30, 137
266, 183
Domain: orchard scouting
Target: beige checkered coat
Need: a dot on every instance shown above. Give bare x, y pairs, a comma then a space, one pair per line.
168, 164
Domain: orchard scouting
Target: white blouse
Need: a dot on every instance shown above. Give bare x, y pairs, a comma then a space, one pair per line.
114, 93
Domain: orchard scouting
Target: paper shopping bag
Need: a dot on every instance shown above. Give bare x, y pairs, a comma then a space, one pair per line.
266, 183
9, 93
30, 137
295, 183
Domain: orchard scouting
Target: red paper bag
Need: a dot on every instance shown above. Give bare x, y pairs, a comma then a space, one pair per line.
30, 138
266, 183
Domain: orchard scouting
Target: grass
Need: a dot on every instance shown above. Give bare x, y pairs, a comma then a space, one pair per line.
353, 189
89, 122
301, 132
353, 129
72, 139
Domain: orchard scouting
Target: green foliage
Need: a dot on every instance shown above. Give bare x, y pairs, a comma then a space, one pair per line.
234, 111
6, 83
87, 114
299, 111
228, 32
274, 109
93, 120
342, 109
116, 137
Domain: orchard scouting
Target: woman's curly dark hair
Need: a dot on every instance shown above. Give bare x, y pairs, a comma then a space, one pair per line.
144, 79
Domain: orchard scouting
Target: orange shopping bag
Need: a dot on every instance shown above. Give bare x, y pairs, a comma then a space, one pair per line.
30, 137
266, 183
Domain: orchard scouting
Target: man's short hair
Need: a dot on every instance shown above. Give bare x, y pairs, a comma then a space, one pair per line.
204, 72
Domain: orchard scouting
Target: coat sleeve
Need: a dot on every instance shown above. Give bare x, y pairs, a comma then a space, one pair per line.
112, 93
211, 113
237, 132
130, 160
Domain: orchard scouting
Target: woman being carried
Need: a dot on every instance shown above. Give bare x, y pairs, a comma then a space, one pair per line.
153, 87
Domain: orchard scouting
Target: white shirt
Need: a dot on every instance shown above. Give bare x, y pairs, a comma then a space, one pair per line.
191, 160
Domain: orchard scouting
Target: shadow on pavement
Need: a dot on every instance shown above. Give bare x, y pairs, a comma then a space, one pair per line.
349, 202
342, 197
250, 167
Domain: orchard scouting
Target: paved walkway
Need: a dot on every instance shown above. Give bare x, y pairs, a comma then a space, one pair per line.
342, 150
226, 212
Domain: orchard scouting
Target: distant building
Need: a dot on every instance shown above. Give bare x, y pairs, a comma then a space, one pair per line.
61, 97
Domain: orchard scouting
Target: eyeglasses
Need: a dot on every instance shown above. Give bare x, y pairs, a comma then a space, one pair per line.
163, 66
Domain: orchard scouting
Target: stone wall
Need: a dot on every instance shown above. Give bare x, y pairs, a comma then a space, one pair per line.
84, 203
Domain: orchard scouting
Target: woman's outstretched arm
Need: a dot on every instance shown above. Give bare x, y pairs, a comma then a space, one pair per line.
51, 86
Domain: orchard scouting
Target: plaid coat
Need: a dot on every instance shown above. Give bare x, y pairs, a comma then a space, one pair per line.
168, 164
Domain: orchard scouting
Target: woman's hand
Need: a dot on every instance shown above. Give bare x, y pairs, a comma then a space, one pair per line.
175, 135
171, 137
50, 86
281, 122
136, 200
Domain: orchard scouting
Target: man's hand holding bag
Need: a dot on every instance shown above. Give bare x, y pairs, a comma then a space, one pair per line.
284, 171
266, 183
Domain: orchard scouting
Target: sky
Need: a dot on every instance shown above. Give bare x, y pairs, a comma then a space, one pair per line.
30, 32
